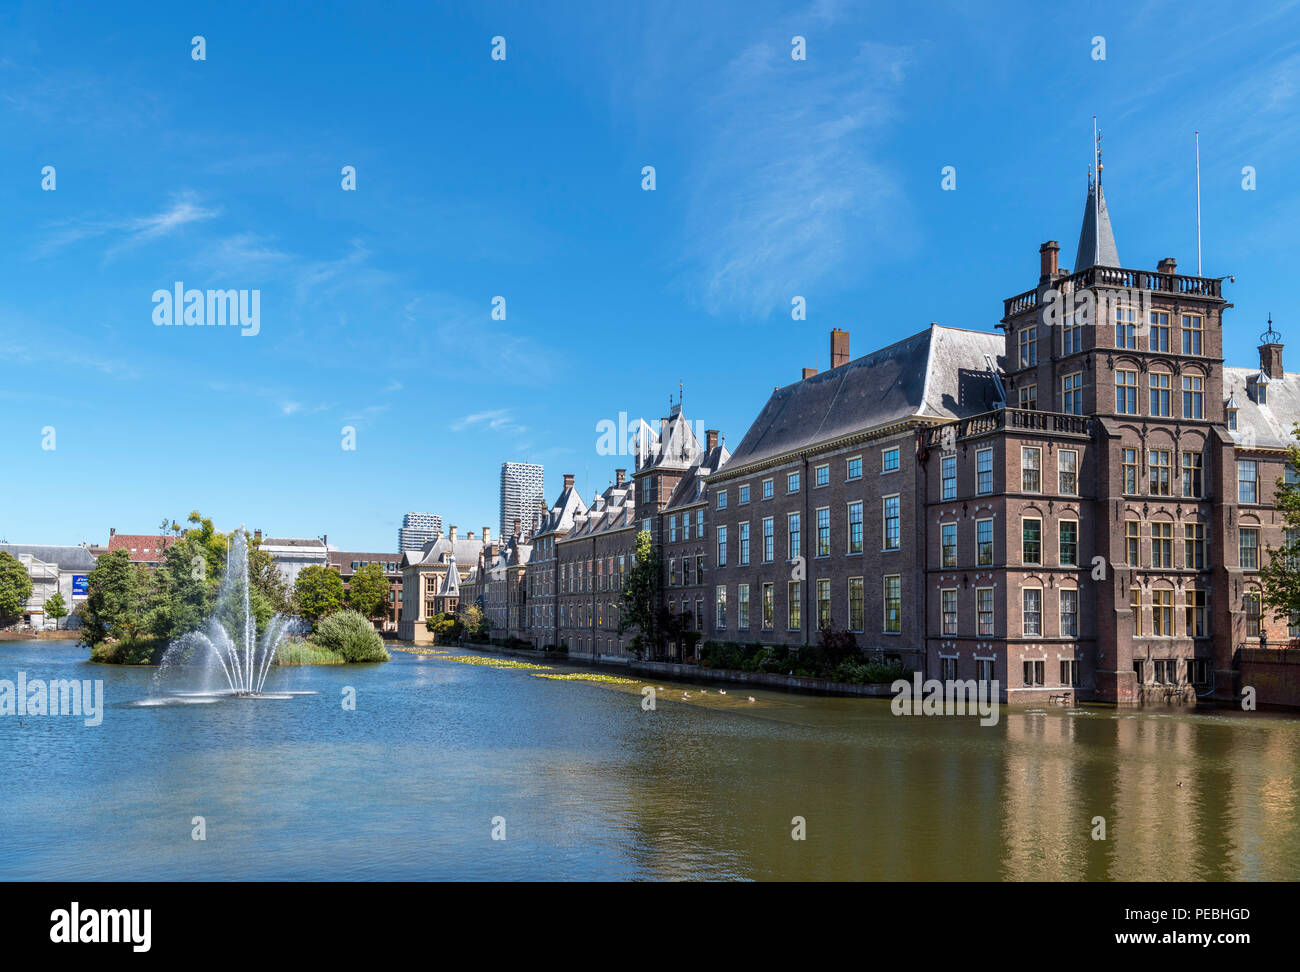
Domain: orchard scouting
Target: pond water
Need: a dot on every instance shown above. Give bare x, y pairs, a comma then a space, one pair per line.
413, 782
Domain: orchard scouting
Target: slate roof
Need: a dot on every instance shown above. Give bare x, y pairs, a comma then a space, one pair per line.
1265, 426
692, 489
65, 558
938, 373
1096, 238
611, 510
451, 580
439, 550
560, 517
675, 447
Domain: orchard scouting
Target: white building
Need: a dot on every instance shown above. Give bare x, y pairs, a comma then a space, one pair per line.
522, 491
292, 554
52, 568
417, 530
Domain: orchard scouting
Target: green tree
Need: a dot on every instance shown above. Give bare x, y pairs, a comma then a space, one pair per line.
181, 592
475, 623
15, 586
1280, 576
351, 635
639, 601
318, 592
114, 605
368, 590
444, 627
56, 608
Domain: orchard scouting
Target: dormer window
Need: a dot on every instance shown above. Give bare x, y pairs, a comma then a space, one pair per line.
1261, 393
1232, 419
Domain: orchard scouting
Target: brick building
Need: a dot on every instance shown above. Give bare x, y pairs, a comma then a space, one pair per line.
348, 562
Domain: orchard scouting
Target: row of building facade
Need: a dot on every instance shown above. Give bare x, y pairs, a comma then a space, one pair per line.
1077, 503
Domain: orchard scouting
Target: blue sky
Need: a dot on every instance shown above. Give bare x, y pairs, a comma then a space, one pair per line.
522, 178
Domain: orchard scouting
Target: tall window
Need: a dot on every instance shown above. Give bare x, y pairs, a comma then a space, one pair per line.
1162, 613
1162, 546
742, 607
686, 525
1031, 469
949, 604
1129, 467
855, 527
1247, 481
1192, 474
1033, 612
1069, 530
857, 605
742, 556
720, 606
824, 532
1253, 614
1125, 327
1195, 612
948, 542
1031, 541
768, 491
949, 467
794, 605
984, 471
1159, 340
893, 537
1248, 548
984, 542
1159, 461
1132, 540
1072, 334
1193, 328
1069, 613
769, 540
1067, 472
721, 533
893, 604
1135, 605
1193, 396
1072, 393
1194, 546
984, 610
1028, 346
672, 528
769, 608
1126, 392
792, 527
1159, 393
823, 604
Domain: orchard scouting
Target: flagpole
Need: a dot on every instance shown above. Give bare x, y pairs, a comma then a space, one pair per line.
1198, 203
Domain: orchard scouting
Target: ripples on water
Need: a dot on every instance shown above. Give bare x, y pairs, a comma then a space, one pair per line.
407, 786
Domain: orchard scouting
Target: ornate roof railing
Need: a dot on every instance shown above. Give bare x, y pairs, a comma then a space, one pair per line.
1121, 279
1010, 420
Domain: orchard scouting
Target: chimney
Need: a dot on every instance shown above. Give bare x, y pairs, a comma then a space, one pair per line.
487, 534
839, 347
453, 532
711, 439
809, 372
620, 477
470, 535
1049, 255
518, 525
112, 531
1167, 265
568, 480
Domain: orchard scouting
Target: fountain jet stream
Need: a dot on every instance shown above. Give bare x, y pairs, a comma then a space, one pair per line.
230, 634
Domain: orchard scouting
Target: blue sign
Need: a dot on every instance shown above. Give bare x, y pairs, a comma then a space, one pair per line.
80, 585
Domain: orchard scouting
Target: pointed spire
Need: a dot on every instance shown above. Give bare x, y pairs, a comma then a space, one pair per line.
1096, 238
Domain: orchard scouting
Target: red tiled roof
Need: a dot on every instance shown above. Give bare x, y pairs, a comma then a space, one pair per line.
144, 549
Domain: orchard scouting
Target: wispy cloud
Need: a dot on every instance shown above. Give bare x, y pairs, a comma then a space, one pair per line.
495, 420
128, 232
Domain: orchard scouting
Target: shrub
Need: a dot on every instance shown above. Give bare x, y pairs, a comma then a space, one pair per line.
143, 650
350, 635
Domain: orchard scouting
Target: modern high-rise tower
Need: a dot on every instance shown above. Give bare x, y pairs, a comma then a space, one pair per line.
417, 529
521, 492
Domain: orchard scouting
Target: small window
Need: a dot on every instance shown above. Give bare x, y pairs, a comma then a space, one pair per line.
792, 483
742, 494
767, 489
889, 460
855, 468
984, 471
722, 499
822, 476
